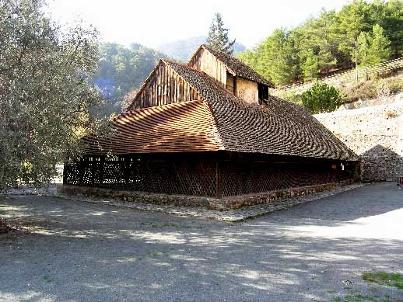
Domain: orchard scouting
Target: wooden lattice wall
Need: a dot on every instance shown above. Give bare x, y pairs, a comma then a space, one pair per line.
209, 176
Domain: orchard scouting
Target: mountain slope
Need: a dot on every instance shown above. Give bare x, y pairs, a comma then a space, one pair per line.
122, 69
181, 50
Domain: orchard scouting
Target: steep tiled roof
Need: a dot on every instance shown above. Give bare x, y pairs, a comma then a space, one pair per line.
237, 67
220, 121
278, 127
179, 127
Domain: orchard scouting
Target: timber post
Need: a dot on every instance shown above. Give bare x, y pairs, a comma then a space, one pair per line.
101, 170
218, 180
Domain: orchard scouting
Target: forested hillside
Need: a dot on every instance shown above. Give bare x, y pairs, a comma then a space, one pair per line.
122, 69
360, 33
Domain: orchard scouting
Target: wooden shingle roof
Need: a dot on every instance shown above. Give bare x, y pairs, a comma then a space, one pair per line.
178, 127
278, 127
220, 121
235, 66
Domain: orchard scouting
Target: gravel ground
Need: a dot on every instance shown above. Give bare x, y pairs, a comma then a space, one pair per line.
317, 251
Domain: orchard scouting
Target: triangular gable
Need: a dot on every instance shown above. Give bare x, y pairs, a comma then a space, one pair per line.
162, 87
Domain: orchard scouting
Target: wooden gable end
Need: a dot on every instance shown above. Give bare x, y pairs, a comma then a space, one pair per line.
163, 86
205, 61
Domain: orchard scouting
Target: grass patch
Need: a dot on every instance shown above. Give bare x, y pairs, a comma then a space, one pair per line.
384, 278
361, 298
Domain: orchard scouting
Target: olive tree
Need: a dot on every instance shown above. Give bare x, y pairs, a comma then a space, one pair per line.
46, 95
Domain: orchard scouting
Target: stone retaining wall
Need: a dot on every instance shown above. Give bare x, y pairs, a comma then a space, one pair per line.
206, 202
375, 133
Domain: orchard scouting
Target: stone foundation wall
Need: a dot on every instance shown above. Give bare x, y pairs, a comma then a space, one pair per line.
206, 202
375, 133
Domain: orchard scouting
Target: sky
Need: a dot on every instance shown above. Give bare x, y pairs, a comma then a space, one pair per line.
156, 22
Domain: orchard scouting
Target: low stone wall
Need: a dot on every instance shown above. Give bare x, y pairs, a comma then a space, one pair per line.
135, 196
237, 202
195, 201
374, 133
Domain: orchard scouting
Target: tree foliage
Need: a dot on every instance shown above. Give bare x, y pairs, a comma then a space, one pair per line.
373, 48
368, 32
45, 91
310, 66
218, 36
321, 98
122, 69
275, 58
363, 49
379, 46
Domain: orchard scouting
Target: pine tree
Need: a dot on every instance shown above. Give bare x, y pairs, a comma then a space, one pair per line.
279, 57
373, 48
363, 49
218, 36
310, 67
352, 20
379, 46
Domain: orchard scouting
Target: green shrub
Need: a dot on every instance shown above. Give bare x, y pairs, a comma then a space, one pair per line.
321, 98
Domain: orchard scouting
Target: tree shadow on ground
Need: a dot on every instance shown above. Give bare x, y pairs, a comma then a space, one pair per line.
90, 252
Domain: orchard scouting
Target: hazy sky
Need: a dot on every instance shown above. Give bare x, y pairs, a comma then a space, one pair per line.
154, 22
